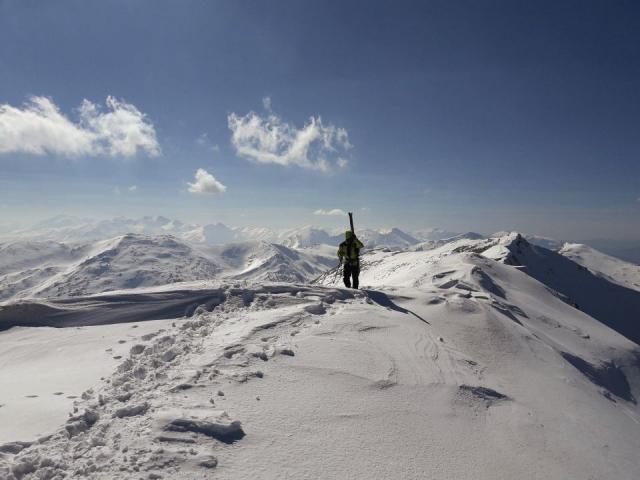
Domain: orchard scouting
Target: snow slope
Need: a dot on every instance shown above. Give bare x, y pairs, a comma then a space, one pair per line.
615, 305
453, 362
611, 268
481, 373
262, 261
39, 385
52, 269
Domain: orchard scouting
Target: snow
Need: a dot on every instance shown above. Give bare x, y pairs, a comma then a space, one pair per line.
42, 371
393, 237
466, 358
53, 269
428, 234
70, 229
612, 269
612, 304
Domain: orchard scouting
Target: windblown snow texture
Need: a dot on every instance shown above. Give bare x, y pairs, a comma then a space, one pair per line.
466, 358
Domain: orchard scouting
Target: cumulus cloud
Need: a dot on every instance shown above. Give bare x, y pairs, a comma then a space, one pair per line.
334, 212
266, 103
133, 188
270, 139
206, 184
39, 128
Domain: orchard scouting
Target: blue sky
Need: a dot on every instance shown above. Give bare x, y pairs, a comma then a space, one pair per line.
467, 115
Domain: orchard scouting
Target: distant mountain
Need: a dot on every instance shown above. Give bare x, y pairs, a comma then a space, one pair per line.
264, 234
210, 234
123, 262
53, 269
627, 250
431, 244
600, 264
258, 261
393, 237
611, 303
427, 234
306, 237
60, 221
73, 229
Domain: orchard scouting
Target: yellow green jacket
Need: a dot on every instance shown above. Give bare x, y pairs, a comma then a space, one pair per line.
349, 250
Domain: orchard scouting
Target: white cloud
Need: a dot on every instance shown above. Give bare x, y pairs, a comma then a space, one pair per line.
39, 128
206, 184
133, 188
266, 103
334, 212
269, 139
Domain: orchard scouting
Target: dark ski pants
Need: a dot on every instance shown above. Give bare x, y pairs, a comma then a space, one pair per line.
351, 271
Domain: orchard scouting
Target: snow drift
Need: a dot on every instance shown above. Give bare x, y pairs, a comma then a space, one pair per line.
472, 358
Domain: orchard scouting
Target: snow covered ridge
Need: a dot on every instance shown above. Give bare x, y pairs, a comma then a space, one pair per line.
51, 269
458, 357
610, 268
609, 294
596, 293
454, 350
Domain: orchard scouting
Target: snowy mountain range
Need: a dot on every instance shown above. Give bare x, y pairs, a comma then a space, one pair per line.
468, 357
53, 269
73, 229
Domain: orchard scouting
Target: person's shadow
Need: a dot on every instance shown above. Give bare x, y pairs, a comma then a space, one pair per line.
383, 300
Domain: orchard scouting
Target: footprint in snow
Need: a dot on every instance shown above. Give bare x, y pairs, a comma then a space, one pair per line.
58, 393
31, 396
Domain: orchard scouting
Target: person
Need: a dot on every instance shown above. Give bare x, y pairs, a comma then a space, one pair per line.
349, 252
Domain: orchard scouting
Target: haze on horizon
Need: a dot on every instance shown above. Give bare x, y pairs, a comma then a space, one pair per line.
468, 116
